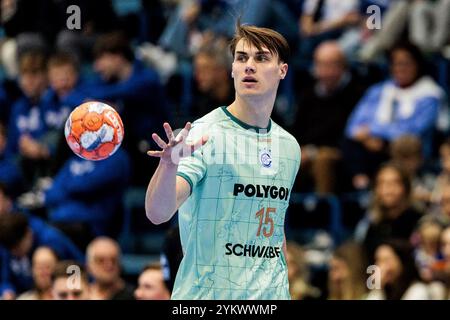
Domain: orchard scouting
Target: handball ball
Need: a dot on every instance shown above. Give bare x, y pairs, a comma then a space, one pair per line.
94, 131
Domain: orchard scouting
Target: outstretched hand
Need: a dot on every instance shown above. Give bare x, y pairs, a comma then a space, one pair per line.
176, 147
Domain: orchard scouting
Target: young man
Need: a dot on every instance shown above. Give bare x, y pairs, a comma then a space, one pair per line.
232, 211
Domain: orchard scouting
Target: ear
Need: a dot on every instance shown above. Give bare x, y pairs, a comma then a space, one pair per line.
283, 70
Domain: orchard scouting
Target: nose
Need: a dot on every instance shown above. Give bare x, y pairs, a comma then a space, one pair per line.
250, 67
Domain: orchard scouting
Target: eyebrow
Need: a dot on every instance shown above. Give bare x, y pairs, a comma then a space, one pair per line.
257, 53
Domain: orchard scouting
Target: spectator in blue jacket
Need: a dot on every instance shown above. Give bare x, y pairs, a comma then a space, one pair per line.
27, 129
88, 194
20, 235
10, 174
408, 103
135, 91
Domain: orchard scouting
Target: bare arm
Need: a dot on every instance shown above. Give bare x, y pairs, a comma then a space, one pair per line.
166, 192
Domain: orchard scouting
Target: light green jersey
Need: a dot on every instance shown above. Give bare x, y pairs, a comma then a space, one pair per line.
232, 224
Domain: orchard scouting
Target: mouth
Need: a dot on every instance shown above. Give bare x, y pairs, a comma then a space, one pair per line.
249, 79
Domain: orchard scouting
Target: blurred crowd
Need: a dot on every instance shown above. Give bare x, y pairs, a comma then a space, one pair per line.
366, 97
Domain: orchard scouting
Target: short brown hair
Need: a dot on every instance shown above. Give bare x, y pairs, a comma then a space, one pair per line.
13, 227
59, 59
261, 37
114, 43
32, 62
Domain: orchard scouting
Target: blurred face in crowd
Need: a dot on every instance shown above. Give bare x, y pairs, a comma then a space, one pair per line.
329, 65
62, 291
444, 151
108, 66
445, 201
104, 261
208, 73
389, 264
151, 286
33, 84
445, 244
44, 262
63, 78
5, 203
24, 246
389, 189
430, 233
256, 72
404, 68
338, 270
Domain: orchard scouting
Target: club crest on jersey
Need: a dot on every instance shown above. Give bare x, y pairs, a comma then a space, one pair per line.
265, 158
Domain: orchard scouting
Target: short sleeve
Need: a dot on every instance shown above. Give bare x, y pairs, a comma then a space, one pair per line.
193, 168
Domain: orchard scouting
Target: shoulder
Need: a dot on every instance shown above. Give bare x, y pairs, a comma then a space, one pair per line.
285, 137
209, 122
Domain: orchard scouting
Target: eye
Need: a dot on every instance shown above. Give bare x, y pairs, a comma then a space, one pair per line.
241, 57
262, 58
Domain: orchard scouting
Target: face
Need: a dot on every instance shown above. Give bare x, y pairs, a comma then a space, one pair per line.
62, 79
44, 262
5, 203
33, 84
445, 201
389, 264
403, 68
103, 263
389, 188
151, 286
338, 271
329, 66
256, 73
61, 291
445, 244
107, 65
206, 72
24, 246
445, 158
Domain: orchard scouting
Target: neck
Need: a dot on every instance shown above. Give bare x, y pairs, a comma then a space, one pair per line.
395, 212
125, 71
253, 111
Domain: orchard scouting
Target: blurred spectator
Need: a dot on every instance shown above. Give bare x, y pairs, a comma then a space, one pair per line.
323, 111
429, 24
6, 203
298, 274
137, 94
325, 20
445, 250
347, 273
406, 151
43, 265
103, 263
87, 196
70, 272
19, 237
443, 178
97, 17
10, 173
151, 284
427, 250
29, 137
398, 274
212, 67
25, 25
442, 204
409, 103
392, 214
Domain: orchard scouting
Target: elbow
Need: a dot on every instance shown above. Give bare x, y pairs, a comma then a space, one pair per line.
154, 217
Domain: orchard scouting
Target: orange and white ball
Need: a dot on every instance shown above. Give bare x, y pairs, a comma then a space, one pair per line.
94, 130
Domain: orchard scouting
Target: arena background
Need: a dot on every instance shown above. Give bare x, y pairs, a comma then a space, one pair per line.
367, 85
